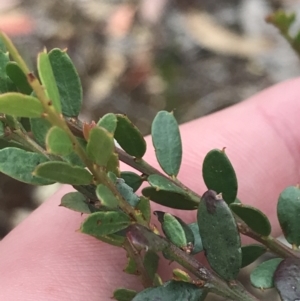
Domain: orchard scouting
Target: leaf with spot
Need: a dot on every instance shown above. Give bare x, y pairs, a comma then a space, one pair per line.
218, 231
167, 142
219, 175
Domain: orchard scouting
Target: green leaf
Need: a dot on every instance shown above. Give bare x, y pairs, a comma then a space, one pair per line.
2, 130
262, 276
2, 45
282, 20
105, 223
109, 122
175, 229
132, 179
6, 85
58, 142
180, 275
19, 164
167, 142
73, 157
68, 82
112, 239
252, 252
76, 201
100, 146
131, 267
106, 197
127, 192
129, 137
170, 199
20, 105
172, 291
151, 260
162, 183
288, 212
198, 246
48, 80
40, 128
63, 172
254, 218
218, 231
219, 175
287, 279
144, 206
16, 74
113, 164
123, 294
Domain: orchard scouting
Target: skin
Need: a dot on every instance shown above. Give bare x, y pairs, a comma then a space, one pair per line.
44, 258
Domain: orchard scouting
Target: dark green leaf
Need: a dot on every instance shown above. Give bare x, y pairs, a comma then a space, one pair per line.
76, 201
48, 80
123, 294
288, 212
109, 122
129, 137
19, 164
162, 183
127, 192
58, 142
73, 157
6, 85
40, 128
220, 236
100, 146
131, 267
4, 144
175, 229
262, 276
20, 105
2, 130
68, 82
105, 223
287, 279
254, 218
63, 172
170, 199
167, 142
144, 206
106, 197
198, 247
219, 175
132, 179
151, 261
251, 252
16, 74
172, 291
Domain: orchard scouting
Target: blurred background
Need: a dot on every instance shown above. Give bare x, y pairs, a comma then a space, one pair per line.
141, 56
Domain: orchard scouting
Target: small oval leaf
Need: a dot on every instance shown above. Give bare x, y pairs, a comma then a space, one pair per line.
287, 279
106, 197
16, 74
150, 262
64, 173
76, 201
198, 246
123, 294
288, 212
172, 291
105, 223
162, 183
58, 142
254, 218
132, 179
68, 82
129, 137
127, 192
262, 276
19, 164
167, 142
20, 105
252, 252
144, 207
48, 80
109, 122
219, 175
39, 129
220, 236
100, 146
170, 199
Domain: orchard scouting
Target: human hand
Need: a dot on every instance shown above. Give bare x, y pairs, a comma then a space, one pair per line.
44, 258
